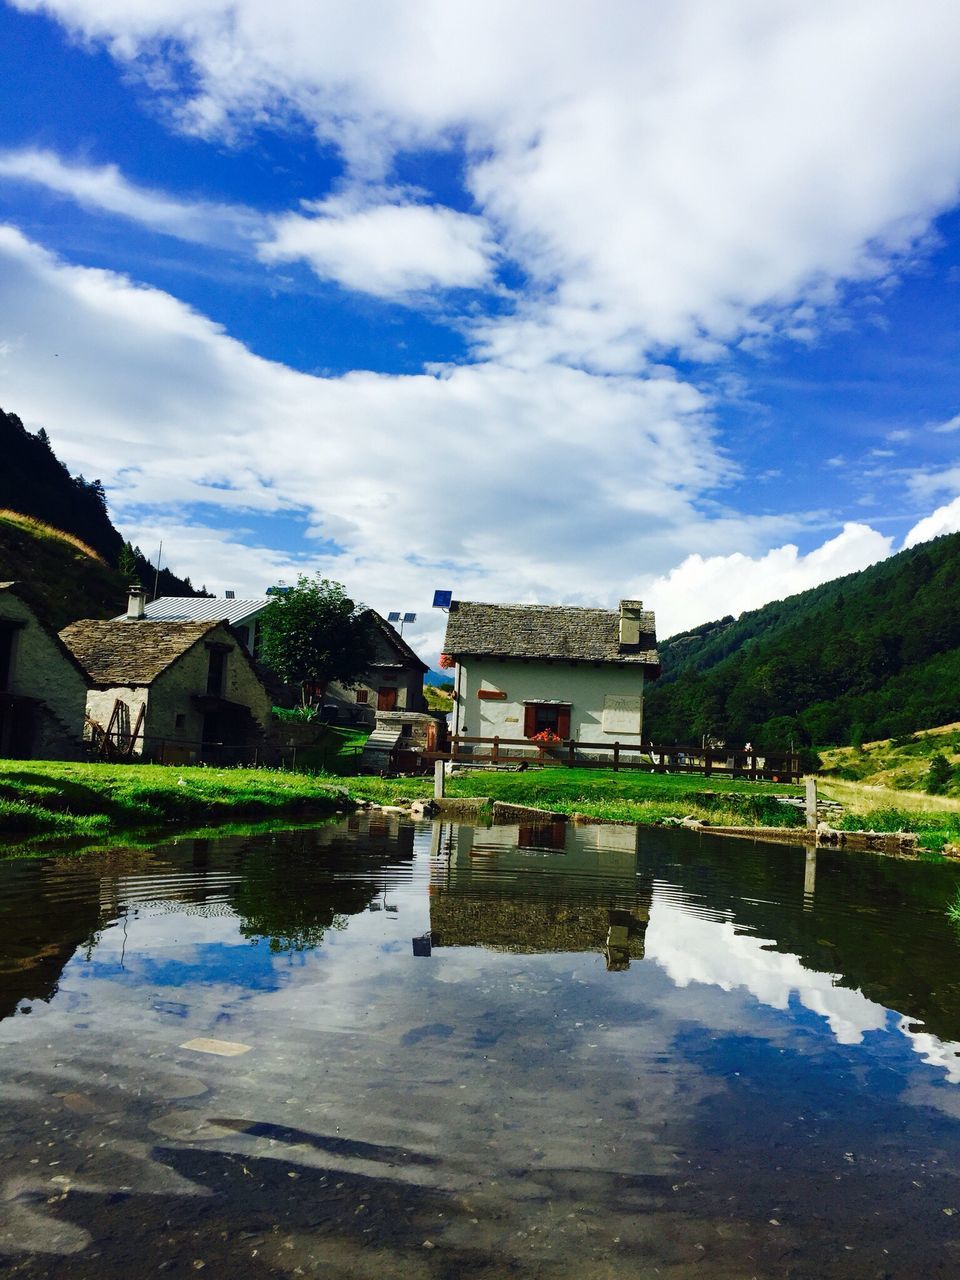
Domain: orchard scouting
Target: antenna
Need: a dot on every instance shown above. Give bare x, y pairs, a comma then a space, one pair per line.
156, 576
442, 599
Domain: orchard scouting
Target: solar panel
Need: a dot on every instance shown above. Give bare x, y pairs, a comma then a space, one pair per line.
409, 617
441, 599
393, 617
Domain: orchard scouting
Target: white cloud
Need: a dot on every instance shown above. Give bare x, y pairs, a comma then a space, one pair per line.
480, 478
945, 519
687, 176
707, 587
946, 428
386, 249
105, 189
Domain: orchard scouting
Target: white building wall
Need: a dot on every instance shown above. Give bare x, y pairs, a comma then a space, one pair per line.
584, 686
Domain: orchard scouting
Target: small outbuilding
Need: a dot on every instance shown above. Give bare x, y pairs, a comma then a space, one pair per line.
172, 691
550, 671
43, 689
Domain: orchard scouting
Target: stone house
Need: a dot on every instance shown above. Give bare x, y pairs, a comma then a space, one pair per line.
556, 670
43, 689
394, 681
171, 691
242, 615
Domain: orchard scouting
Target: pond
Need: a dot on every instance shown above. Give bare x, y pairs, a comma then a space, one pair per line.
380, 1049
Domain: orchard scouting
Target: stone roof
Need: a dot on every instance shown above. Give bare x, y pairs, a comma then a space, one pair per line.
131, 652
395, 640
563, 632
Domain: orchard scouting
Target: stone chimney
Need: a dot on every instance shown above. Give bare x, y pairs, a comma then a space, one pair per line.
630, 614
135, 602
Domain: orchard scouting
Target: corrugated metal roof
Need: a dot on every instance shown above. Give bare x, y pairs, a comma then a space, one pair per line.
201, 609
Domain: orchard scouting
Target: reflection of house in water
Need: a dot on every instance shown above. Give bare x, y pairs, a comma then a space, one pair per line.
287, 888
47, 910
551, 888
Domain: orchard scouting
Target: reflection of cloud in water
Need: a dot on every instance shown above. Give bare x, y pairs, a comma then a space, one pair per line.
691, 948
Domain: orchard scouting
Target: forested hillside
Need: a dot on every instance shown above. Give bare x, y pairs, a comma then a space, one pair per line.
871, 655
34, 482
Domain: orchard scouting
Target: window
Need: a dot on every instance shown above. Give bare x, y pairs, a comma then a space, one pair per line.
7, 634
546, 717
216, 671
180, 720
362, 695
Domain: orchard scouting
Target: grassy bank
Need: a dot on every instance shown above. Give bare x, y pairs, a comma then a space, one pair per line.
601, 793
51, 799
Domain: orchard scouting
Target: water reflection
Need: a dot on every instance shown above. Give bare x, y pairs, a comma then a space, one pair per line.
669, 1055
527, 889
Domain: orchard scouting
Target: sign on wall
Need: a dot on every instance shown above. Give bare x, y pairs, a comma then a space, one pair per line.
622, 713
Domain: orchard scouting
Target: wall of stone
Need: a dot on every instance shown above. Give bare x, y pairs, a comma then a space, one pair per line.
41, 670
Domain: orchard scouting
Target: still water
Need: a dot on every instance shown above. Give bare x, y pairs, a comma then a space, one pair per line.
375, 1049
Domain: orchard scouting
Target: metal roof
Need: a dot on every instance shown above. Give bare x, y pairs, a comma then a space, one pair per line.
201, 609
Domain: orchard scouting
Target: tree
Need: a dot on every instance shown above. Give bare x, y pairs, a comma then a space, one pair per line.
314, 633
938, 774
127, 563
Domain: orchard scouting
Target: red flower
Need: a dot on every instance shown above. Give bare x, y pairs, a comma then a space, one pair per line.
446, 662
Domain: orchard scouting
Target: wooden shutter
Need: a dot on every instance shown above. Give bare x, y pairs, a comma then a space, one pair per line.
529, 720
563, 722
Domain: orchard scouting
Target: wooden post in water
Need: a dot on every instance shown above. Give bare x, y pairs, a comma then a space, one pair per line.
811, 802
439, 779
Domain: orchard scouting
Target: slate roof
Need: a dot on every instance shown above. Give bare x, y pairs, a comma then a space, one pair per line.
397, 642
201, 609
563, 632
130, 652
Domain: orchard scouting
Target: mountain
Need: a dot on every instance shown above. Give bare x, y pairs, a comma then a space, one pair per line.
65, 579
35, 483
875, 654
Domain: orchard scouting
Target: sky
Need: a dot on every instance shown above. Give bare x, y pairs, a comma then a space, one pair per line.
543, 302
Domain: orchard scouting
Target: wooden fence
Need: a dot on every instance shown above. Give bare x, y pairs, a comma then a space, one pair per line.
648, 756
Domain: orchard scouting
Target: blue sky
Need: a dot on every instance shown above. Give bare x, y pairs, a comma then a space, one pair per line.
525, 302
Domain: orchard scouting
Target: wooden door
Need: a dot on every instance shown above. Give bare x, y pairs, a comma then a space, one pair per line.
386, 699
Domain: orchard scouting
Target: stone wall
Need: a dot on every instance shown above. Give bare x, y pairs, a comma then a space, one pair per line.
41, 670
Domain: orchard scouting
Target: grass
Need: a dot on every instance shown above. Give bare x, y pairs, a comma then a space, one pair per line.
40, 529
898, 764
53, 799
601, 793
337, 752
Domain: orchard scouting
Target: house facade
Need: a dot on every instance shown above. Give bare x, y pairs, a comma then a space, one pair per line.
393, 682
173, 691
555, 671
43, 689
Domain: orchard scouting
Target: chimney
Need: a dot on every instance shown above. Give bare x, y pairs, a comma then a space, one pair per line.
135, 602
630, 612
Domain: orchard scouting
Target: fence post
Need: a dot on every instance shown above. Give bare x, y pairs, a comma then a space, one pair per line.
811, 802
571, 757
439, 779
495, 753
707, 763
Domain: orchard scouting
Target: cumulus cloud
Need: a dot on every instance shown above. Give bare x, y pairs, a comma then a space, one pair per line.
105, 189
683, 177
517, 500
707, 587
945, 519
386, 249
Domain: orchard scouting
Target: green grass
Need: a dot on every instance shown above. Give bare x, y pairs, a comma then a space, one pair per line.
338, 752
601, 793
55, 799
